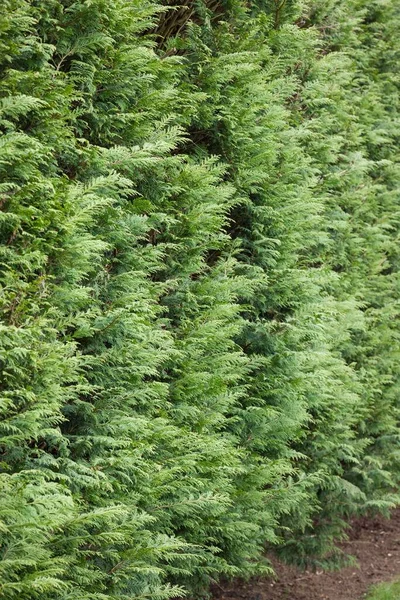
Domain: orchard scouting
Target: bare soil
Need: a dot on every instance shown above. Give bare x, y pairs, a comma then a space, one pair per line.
374, 542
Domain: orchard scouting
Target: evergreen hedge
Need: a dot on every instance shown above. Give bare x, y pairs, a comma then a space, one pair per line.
200, 337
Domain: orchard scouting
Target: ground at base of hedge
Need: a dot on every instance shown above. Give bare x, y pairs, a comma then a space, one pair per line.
375, 543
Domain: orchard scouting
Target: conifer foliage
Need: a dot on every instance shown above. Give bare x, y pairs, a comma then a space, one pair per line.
200, 288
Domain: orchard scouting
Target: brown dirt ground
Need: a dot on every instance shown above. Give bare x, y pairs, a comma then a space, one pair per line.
374, 542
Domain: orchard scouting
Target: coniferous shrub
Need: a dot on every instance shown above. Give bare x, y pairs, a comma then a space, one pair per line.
199, 288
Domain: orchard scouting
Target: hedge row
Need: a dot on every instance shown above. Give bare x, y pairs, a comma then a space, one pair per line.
200, 334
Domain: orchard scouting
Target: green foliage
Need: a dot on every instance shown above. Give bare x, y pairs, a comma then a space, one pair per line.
199, 288
386, 591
